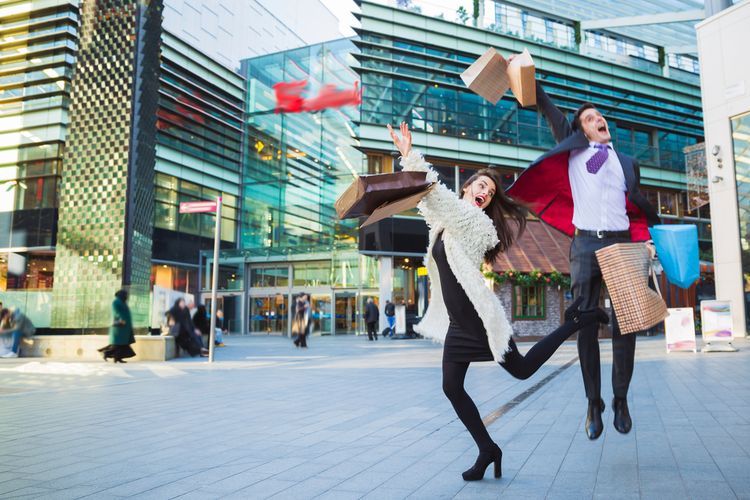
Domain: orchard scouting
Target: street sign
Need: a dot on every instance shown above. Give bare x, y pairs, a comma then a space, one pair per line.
194, 207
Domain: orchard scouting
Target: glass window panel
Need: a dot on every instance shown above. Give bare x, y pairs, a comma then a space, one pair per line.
229, 200
166, 181
528, 302
190, 188
189, 223
228, 229
165, 195
165, 216
667, 203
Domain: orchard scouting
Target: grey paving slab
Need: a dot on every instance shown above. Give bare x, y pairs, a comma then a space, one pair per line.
347, 419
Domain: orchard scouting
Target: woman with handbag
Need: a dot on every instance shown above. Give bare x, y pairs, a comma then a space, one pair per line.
301, 320
465, 315
121, 331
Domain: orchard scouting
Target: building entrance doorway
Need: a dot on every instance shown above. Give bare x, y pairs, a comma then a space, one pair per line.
320, 314
231, 305
269, 314
346, 314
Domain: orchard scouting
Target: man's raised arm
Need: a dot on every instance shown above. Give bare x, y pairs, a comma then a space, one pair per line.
557, 121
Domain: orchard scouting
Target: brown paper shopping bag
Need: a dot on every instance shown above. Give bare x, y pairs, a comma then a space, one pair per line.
396, 206
491, 76
370, 192
487, 76
522, 78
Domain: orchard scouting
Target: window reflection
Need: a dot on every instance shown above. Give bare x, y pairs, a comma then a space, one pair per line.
433, 107
171, 191
741, 146
26, 271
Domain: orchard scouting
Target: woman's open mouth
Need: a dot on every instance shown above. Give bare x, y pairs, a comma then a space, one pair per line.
479, 200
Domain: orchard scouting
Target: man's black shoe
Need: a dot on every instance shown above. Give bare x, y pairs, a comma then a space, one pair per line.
623, 423
594, 425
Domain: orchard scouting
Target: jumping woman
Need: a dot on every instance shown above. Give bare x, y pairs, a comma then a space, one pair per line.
465, 315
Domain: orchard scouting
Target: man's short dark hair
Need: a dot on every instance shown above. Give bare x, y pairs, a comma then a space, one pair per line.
579, 112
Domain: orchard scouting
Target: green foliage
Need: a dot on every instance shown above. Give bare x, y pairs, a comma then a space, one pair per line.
535, 277
462, 15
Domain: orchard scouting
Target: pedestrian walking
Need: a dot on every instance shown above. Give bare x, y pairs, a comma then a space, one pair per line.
301, 321
184, 330
121, 331
589, 191
371, 319
390, 317
464, 314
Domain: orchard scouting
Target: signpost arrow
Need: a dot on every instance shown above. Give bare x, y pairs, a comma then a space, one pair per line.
194, 207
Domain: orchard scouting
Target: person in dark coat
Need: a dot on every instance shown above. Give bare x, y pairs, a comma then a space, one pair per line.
301, 321
390, 316
121, 332
183, 329
201, 321
590, 191
371, 318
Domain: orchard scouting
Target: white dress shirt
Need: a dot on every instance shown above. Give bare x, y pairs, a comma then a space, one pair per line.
598, 199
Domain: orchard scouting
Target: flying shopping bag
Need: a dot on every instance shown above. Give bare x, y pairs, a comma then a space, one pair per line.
382, 195
677, 249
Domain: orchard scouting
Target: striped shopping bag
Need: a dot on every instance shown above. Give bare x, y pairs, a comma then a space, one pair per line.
625, 268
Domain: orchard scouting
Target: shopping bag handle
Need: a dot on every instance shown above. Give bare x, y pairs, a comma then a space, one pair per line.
652, 270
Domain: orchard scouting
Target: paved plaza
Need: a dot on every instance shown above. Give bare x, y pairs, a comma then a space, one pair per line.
349, 419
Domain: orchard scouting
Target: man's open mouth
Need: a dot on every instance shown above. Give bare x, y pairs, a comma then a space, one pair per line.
602, 129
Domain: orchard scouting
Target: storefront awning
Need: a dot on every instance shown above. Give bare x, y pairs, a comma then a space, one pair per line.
541, 247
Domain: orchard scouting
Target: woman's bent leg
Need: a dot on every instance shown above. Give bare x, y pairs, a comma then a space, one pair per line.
523, 367
454, 374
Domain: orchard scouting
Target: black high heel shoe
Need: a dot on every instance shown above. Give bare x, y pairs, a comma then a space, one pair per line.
484, 459
579, 317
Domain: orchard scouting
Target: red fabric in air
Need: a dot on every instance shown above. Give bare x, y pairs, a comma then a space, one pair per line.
545, 188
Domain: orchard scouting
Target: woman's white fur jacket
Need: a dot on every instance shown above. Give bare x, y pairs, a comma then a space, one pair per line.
467, 235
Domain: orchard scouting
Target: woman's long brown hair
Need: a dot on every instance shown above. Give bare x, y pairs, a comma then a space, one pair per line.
508, 215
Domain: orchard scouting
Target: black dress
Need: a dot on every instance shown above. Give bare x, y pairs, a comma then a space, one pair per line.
466, 339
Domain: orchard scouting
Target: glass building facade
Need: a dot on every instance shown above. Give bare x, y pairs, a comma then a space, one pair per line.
215, 133
38, 43
296, 166
199, 152
413, 74
192, 111
741, 151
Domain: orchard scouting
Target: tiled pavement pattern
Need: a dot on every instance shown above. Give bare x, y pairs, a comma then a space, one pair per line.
350, 418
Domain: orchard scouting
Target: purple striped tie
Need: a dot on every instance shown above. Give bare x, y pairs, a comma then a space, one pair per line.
597, 160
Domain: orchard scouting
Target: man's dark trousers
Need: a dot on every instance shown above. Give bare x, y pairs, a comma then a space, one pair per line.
372, 331
586, 277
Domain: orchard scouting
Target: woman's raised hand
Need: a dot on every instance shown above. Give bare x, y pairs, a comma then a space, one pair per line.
403, 143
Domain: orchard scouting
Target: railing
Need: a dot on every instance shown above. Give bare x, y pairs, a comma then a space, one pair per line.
536, 28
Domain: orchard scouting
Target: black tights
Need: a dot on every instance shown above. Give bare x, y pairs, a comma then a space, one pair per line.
518, 365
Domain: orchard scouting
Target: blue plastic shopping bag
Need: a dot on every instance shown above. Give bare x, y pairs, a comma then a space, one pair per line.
677, 249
